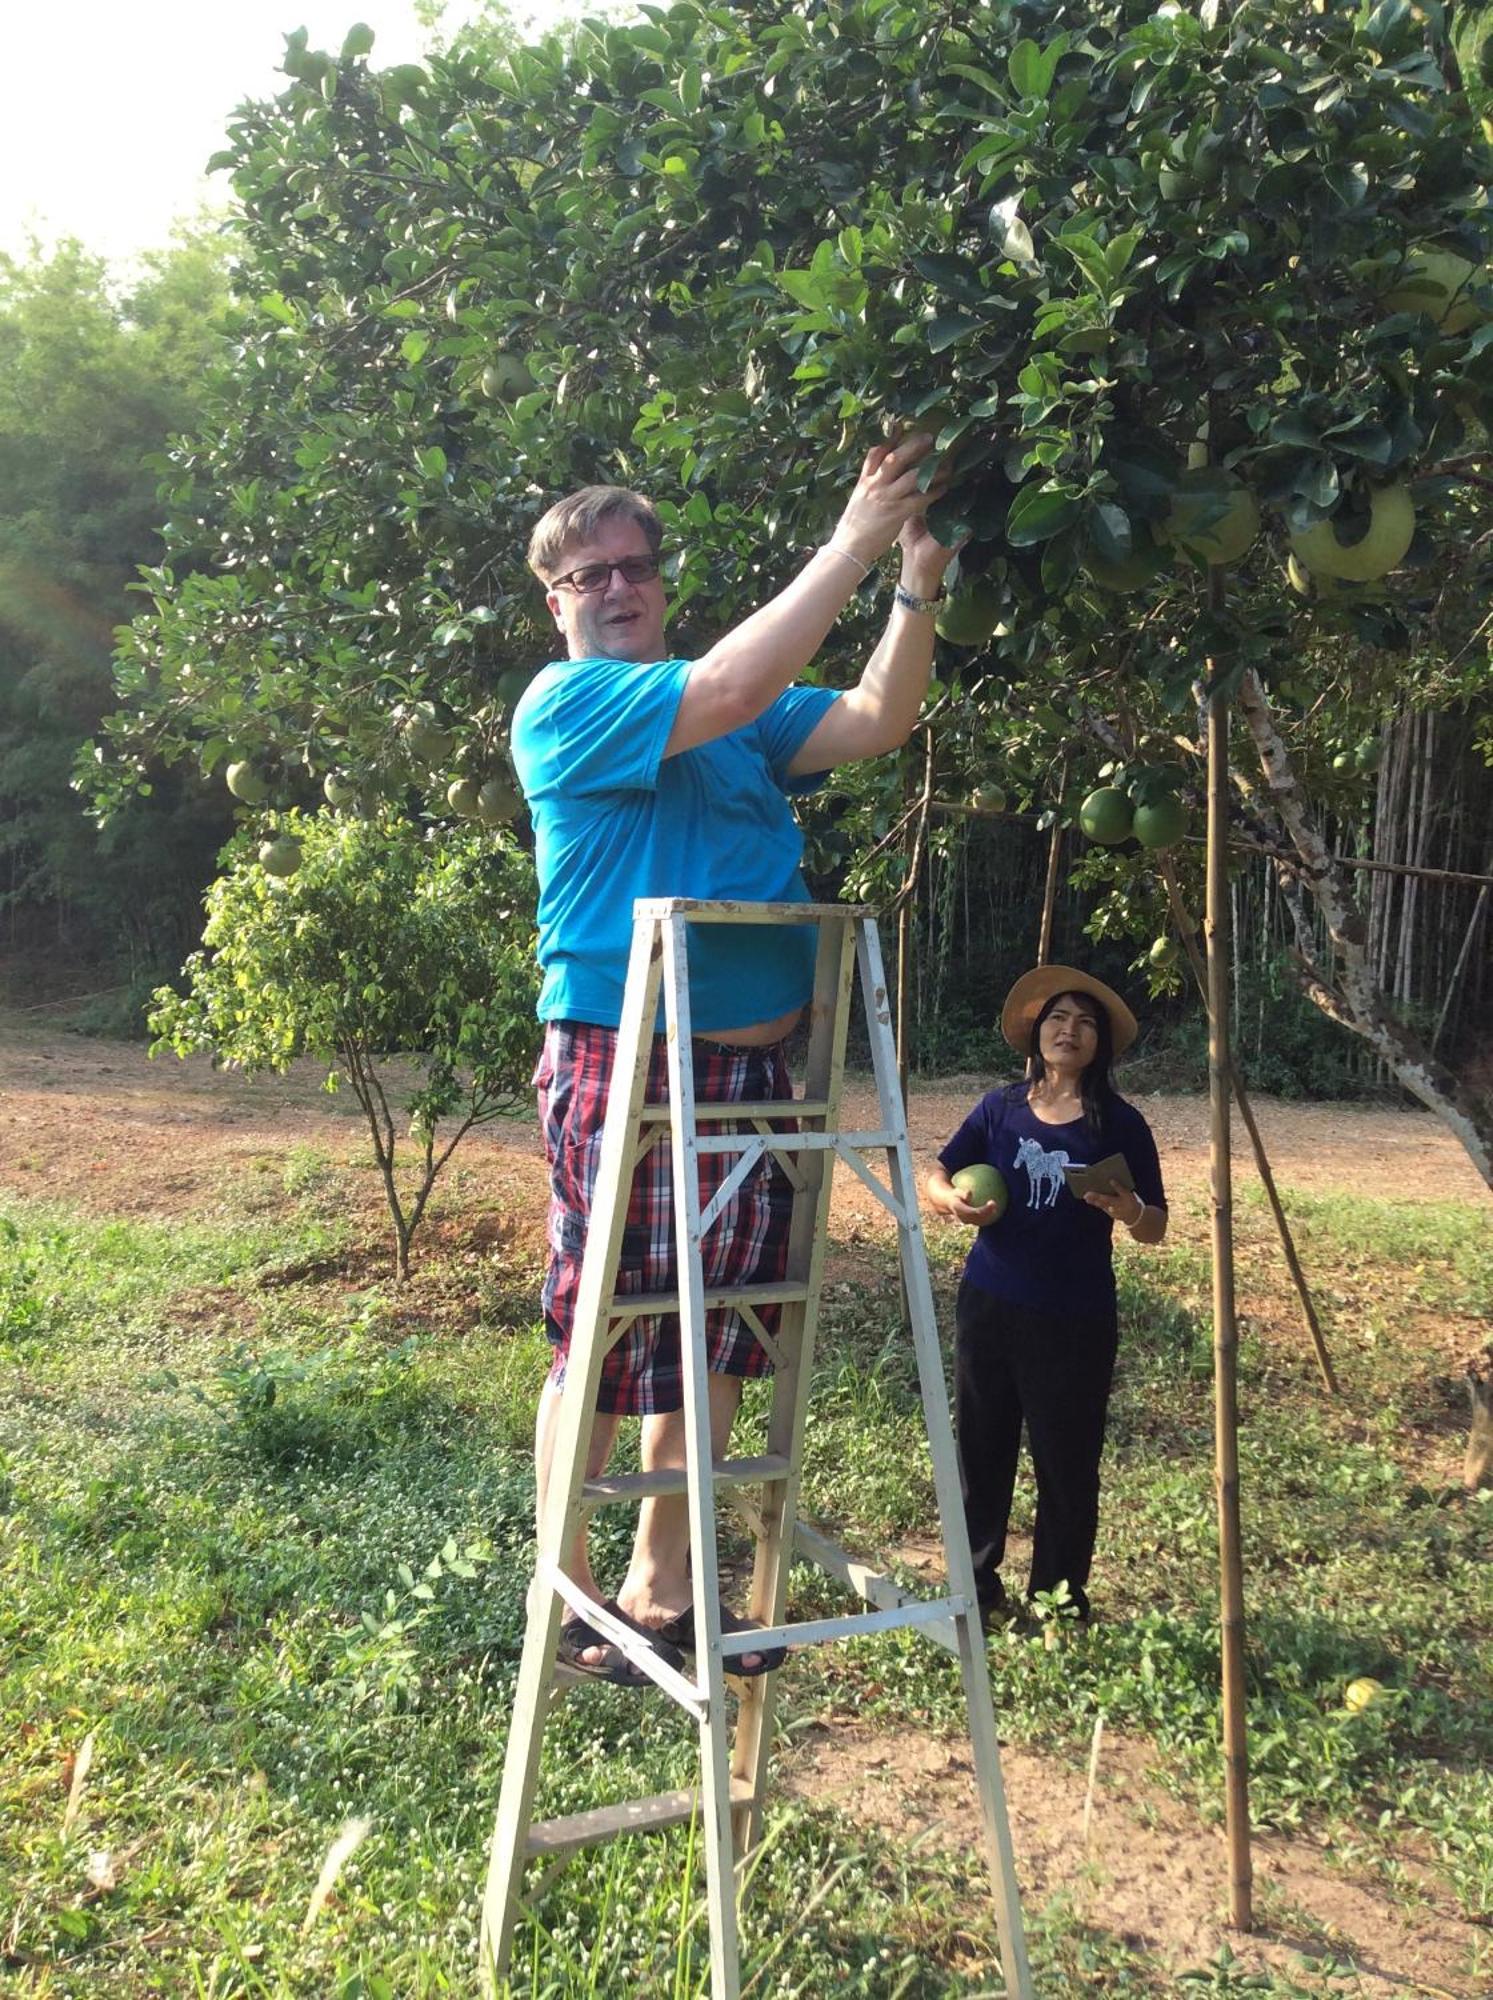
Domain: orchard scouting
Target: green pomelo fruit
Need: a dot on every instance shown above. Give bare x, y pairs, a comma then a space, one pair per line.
1106, 816
339, 791
498, 802
1436, 282
988, 798
506, 378
1213, 515
970, 616
1390, 531
246, 783
1143, 563
280, 856
979, 1185
1161, 824
463, 795
1369, 754
426, 737
1164, 951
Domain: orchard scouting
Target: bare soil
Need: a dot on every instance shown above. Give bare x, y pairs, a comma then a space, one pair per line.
99, 1125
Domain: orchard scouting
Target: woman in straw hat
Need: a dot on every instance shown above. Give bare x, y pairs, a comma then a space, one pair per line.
1036, 1329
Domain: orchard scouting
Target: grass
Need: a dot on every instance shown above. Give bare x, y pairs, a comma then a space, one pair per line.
266, 1549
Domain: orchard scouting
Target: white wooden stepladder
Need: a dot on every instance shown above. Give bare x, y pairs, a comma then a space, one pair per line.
763, 1488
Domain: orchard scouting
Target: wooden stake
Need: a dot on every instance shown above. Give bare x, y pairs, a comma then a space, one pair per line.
1226, 1329
1186, 930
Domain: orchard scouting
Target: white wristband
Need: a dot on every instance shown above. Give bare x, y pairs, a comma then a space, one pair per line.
834, 548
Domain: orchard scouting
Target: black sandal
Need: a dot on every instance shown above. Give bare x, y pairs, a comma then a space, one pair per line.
577, 1636
680, 1631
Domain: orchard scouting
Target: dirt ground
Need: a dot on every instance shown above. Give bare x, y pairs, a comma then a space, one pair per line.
98, 1124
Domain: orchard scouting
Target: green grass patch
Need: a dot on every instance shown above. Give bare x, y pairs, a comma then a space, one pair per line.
271, 1559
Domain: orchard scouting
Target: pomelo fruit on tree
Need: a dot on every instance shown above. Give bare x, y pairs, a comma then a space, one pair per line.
425, 735
506, 377
1438, 283
498, 802
1369, 754
1362, 1693
1213, 515
1132, 572
1164, 951
1160, 824
463, 795
1106, 815
979, 1185
280, 856
988, 798
246, 783
971, 615
338, 790
1383, 543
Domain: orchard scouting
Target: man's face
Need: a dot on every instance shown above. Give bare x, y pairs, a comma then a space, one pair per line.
625, 621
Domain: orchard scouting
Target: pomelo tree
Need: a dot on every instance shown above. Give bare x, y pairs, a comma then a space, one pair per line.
1195, 296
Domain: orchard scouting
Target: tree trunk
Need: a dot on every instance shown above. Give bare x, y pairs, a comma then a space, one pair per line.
1352, 995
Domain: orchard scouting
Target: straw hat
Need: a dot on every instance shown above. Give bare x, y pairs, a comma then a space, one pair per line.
1034, 989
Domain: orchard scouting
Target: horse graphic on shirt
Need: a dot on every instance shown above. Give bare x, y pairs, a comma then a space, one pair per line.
1044, 1172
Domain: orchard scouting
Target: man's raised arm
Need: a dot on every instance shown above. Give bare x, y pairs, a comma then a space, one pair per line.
745, 672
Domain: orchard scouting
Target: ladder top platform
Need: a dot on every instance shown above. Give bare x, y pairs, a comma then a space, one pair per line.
701, 911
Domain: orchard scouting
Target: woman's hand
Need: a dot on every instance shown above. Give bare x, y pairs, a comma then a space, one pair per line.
1126, 1206
948, 1201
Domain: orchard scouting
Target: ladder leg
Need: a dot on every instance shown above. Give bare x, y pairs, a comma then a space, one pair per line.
563, 1512
973, 1666
825, 1072
715, 1775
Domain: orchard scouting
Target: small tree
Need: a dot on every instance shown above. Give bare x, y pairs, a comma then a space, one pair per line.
379, 941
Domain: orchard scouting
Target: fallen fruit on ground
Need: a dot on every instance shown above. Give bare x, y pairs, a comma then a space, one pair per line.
1106, 816
280, 856
1161, 824
1363, 1693
1213, 515
246, 783
980, 1185
1390, 530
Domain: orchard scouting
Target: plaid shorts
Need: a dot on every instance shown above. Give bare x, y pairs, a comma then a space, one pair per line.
748, 1243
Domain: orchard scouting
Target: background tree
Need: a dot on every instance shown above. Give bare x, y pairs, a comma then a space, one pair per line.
354, 941
1172, 287
92, 384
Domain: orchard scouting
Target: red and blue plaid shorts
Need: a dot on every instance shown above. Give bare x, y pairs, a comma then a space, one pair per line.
748, 1243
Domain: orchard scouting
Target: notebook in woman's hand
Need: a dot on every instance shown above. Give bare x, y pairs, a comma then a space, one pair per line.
1111, 1175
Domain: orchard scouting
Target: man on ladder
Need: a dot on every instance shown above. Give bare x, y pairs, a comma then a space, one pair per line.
647, 777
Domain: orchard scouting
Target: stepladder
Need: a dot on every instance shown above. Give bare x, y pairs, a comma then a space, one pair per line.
802, 1136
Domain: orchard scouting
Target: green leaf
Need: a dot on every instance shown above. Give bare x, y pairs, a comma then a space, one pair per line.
949, 329
1110, 532
413, 346
1039, 512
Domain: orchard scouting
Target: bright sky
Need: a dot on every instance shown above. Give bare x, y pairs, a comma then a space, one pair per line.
113, 107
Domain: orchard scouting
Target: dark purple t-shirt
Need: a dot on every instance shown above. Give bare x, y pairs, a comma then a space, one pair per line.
1049, 1250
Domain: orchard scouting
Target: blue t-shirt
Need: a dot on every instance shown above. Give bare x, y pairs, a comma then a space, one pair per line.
614, 819
1049, 1250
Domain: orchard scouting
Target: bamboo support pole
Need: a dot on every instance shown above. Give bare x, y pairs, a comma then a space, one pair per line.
1226, 1331
1186, 930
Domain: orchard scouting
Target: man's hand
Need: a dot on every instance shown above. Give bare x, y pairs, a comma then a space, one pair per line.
885, 499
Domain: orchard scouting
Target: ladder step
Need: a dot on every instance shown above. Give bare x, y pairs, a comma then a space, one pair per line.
635, 1304
710, 1113
674, 1479
650, 1815
855, 1625
797, 1142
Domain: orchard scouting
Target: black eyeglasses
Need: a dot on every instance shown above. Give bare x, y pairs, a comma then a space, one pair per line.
591, 577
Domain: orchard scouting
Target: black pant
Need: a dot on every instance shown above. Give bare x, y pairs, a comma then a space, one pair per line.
1013, 1363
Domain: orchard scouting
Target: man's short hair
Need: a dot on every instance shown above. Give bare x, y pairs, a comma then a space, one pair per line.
577, 518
